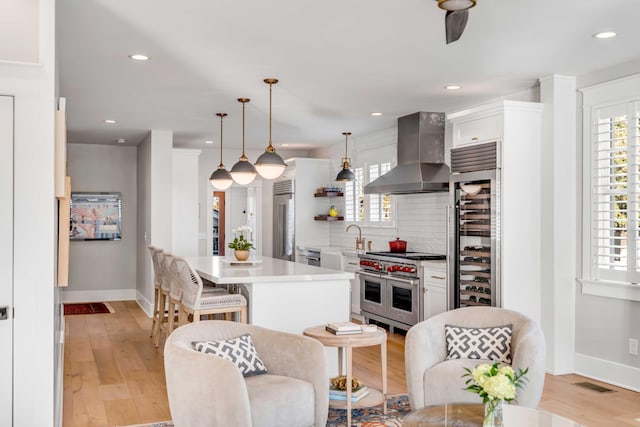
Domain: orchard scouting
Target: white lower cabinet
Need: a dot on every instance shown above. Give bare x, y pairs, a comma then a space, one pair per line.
435, 289
352, 265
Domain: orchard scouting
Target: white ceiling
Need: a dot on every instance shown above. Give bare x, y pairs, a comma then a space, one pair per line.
337, 61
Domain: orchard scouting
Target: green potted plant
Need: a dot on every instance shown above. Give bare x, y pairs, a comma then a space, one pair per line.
241, 245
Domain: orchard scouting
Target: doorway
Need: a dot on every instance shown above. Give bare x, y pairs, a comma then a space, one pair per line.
6, 259
217, 213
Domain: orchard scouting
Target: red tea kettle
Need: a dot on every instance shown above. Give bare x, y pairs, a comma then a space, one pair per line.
398, 245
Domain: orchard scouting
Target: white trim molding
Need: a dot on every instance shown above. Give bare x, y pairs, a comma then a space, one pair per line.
98, 296
144, 303
610, 289
610, 372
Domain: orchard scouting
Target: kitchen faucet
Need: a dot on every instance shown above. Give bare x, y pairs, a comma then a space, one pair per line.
359, 239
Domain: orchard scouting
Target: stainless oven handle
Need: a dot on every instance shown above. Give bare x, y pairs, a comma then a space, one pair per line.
403, 280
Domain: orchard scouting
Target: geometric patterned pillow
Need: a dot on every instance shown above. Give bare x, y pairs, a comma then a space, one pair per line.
240, 351
493, 343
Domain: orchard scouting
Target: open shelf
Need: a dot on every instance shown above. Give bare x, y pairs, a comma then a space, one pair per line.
329, 194
375, 397
328, 218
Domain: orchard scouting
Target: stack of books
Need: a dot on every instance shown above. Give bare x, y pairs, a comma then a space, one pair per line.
343, 328
358, 394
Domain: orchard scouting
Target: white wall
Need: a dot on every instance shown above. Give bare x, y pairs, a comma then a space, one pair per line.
19, 30
104, 270
603, 325
155, 163
35, 294
185, 202
144, 267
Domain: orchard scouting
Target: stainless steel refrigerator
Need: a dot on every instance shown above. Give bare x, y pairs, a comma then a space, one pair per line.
283, 220
474, 227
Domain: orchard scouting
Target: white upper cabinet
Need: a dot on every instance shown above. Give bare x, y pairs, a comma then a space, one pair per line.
488, 123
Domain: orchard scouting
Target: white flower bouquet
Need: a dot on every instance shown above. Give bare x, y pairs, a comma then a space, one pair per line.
494, 384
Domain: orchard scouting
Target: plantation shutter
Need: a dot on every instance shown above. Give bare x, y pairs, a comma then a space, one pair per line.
615, 193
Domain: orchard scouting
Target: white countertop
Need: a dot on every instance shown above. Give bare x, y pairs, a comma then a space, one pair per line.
215, 269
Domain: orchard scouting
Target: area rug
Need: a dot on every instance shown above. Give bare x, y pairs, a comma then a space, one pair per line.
397, 408
87, 308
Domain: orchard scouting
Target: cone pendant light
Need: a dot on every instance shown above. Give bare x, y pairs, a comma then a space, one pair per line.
243, 171
346, 174
270, 165
220, 178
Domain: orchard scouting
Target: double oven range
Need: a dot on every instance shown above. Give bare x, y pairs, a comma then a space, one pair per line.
392, 287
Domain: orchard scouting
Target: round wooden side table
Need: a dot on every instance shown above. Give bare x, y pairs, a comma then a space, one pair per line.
348, 342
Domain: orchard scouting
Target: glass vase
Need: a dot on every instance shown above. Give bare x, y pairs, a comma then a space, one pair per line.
493, 414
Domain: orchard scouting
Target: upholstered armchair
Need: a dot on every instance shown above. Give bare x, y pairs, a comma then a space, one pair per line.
433, 380
209, 391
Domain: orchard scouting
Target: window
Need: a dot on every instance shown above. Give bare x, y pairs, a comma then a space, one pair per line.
614, 193
371, 208
611, 188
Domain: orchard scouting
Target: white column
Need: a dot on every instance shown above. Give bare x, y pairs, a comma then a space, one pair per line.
559, 220
185, 202
161, 183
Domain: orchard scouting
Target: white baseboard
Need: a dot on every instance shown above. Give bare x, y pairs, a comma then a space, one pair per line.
610, 372
145, 304
98, 296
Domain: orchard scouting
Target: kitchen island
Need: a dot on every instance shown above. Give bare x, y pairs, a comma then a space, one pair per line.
282, 295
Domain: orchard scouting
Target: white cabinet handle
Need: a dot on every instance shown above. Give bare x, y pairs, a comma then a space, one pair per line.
437, 277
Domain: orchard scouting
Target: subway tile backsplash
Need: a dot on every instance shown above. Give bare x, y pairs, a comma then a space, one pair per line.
420, 220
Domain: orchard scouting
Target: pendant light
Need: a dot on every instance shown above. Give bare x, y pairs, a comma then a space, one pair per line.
346, 174
270, 165
220, 178
243, 171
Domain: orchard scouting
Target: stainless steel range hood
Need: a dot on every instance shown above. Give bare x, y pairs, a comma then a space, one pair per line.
421, 167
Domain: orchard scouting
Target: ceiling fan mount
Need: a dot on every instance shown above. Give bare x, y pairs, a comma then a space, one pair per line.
456, 18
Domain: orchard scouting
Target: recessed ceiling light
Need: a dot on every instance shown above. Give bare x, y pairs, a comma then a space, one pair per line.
452, 87
139, 57
284, 145
121, 140
208, 142
376, 114
605, 35
110, 121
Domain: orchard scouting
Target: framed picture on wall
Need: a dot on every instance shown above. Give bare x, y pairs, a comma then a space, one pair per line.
96, 216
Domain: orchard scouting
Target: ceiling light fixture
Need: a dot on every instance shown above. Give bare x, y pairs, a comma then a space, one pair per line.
220, 178
121, 140
452, 87
456, 5
243, 171
270, 165
346, 174
376, 114
208, 142
139, 57
110, 121
605, 35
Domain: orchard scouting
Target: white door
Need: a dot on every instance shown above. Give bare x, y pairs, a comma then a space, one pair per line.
6, 260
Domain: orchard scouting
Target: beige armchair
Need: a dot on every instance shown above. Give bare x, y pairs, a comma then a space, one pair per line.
209, 391
433, 380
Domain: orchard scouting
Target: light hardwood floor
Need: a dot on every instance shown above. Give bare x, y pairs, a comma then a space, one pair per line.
114, 376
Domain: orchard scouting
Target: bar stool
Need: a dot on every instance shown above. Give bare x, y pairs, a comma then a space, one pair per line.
175, 293
165, 283
156, 254
196, 303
